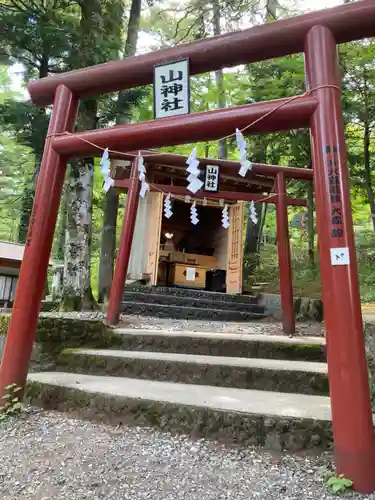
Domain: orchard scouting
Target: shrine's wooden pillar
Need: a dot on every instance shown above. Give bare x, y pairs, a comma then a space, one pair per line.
123, 256
33, 273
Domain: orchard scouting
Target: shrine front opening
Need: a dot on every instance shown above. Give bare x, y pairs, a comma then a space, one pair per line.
174, 252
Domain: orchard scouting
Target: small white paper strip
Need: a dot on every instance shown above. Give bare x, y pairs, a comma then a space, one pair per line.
246, 165
340, 256
144, 188
241, 143
225, 217
194, 214
168, 207
108, 183
104, 161
193, 167
253, 214
195, 185
190, 274
141, 165
191, 178
192, 156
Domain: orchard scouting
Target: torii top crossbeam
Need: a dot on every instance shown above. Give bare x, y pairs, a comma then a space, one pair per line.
347, 22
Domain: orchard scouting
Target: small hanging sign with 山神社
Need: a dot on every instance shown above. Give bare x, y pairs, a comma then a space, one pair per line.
212, 178
171, 89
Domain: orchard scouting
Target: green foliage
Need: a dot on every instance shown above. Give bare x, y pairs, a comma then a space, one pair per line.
339, 484
38, 34
13, 406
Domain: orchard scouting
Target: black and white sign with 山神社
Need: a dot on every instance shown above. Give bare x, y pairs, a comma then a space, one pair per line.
171, 89
211, 181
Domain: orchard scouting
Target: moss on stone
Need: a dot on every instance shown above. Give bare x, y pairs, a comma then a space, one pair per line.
4, 323
57, 333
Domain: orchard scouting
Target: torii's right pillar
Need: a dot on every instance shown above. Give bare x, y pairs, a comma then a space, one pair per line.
352, 425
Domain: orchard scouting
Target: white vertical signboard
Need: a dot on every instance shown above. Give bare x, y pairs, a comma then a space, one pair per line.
211, 181
171, 89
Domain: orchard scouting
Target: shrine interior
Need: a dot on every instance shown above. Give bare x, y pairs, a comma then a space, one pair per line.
203, 247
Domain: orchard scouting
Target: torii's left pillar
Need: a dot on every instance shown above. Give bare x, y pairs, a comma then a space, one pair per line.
33, 273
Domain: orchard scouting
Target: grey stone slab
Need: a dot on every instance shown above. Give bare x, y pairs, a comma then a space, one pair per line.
205, 302
241, 345
186, 312
264, 403
224, 336
265, 364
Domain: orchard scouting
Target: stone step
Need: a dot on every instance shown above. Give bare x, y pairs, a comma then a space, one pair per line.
200, 302
248, 417
192, 293
186, 312
242, 345
303, 377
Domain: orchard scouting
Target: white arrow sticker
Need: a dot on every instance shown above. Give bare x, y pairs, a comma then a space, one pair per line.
340, 256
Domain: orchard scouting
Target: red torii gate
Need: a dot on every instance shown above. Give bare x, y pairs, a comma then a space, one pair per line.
279, 198
317, 35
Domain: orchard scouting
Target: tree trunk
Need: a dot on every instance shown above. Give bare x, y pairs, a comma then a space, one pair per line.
219, 76
26, 207
367, 171
108, 243
77, 294
271, 10
77, 258
60, 250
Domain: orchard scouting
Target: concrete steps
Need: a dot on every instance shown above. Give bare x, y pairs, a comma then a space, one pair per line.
244, 373
191, 292
188, 312
274, 420
203, 302
238, 388
222, 344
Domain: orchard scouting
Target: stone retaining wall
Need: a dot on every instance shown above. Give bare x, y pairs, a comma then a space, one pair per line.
305, 308
57, 333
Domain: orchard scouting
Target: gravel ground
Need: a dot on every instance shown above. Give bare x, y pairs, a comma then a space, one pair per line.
47, 455
265, 327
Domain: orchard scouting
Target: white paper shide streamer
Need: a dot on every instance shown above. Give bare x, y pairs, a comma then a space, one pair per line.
195, 184
142, 176
105, 169
225, 217
246, 165
194, 214
168, 206
253, 214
